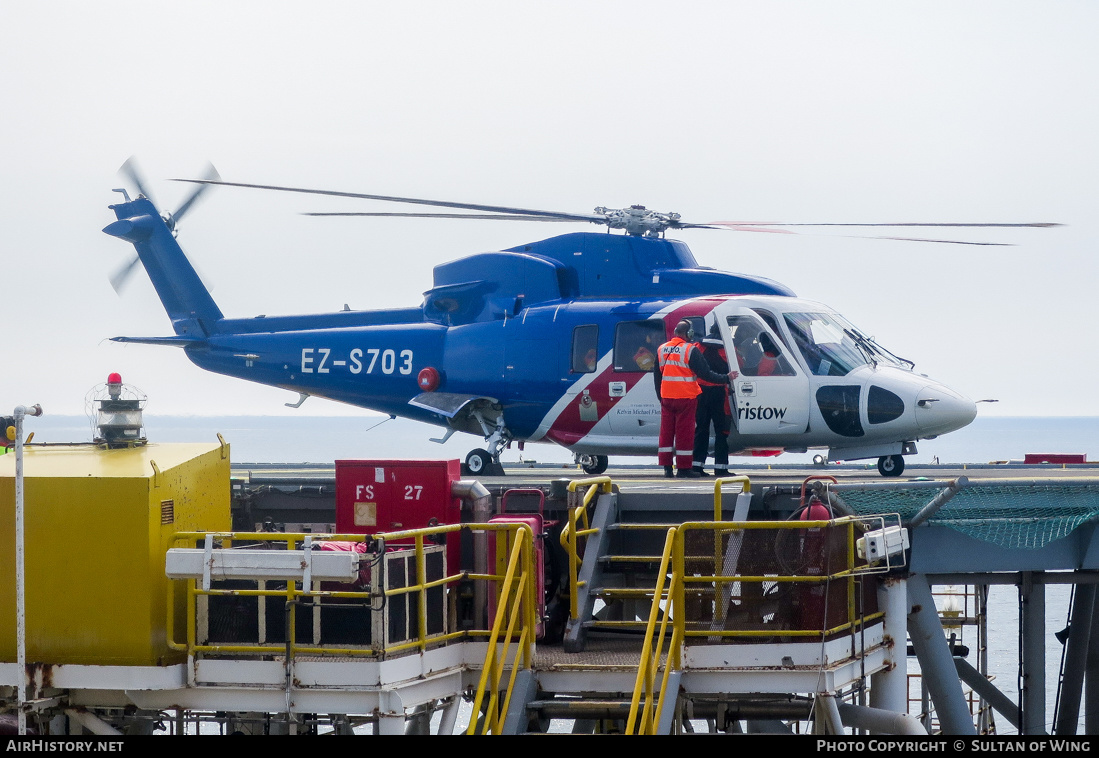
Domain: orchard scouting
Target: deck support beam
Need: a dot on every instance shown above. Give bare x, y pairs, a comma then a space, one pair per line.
1076, 653
889, 688
1091, 681
986, 689
936, 663
1033, 624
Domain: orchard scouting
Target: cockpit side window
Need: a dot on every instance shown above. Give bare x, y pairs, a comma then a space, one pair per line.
824, 343
757, 353
636, 344
585, 349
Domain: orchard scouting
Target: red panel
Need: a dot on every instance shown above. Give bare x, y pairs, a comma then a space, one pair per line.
1055, 458
373, 497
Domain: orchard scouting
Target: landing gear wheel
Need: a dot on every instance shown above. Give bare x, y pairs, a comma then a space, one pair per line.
594, 464
890, 465
477, 461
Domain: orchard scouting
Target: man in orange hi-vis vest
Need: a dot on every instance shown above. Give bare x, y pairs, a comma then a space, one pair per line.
680, 364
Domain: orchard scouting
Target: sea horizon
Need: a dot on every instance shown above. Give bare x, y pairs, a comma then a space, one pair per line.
323, 439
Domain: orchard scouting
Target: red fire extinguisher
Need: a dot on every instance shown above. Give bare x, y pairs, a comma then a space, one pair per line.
811, 594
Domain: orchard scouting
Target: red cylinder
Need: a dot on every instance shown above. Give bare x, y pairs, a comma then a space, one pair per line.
811, 595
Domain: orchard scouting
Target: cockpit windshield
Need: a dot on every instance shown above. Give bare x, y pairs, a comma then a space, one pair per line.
831, 346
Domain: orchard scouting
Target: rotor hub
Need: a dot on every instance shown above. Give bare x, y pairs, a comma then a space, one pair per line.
639, 221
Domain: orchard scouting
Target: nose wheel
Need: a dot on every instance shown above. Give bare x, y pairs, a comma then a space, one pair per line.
891, 465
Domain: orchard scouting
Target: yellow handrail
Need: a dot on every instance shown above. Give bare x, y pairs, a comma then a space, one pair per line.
849, 573
510, 605
719, 485
572, 531
648, 700
293, 595
644, 685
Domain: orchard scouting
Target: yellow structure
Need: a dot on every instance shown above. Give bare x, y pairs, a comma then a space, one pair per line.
98, 523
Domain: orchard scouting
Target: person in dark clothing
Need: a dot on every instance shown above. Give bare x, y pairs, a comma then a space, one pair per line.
713, 409
679, 366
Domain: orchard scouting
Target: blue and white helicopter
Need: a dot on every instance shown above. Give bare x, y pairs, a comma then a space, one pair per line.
554, 341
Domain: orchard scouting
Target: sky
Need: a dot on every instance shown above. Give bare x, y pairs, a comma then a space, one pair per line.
764, 111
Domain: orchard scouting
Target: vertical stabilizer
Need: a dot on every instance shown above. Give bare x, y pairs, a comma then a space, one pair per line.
185, 298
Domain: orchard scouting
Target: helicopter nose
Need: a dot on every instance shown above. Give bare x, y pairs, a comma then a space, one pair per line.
940, 410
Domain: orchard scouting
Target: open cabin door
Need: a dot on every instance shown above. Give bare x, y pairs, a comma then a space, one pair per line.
771, 390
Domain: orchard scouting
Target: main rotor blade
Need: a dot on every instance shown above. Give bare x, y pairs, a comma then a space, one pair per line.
595, 219
752, 228
1035, 225
211, 175
941, 242
130, 170
482, 216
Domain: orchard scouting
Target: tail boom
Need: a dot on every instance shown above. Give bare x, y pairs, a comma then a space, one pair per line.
193, 313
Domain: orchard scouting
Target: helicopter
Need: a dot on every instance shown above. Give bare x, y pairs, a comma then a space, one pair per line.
554, 341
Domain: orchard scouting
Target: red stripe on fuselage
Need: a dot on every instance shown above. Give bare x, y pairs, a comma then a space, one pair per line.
568, 428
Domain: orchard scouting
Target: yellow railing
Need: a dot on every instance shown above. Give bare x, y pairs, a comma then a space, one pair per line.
719, 485
579, 526
516, 605
822, 577
719, 515
645, 685
670, 608
293, 594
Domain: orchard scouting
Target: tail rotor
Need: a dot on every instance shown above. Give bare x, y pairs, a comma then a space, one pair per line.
129, 170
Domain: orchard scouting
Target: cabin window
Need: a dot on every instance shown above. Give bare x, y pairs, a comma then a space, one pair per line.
585, 349
636, 344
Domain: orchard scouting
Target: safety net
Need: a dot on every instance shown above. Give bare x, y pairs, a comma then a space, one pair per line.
1010, 516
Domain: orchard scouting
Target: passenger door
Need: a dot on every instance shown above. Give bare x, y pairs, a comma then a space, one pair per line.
771, 391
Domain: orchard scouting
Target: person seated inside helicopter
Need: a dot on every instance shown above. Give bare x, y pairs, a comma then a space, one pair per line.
756, 351
644, 358
746, 346
772, 362
645, 355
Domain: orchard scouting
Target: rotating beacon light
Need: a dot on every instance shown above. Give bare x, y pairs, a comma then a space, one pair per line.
118, 413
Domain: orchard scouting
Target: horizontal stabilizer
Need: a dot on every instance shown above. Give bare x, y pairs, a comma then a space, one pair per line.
174, 341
